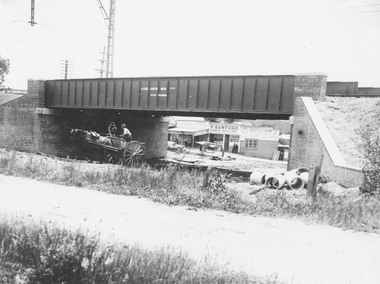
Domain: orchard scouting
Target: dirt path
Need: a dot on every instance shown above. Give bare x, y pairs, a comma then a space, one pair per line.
262, 246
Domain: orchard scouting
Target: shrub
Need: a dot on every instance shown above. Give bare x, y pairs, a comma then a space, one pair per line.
371, 169
213, 181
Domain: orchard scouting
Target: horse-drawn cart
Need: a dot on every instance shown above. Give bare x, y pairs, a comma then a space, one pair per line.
113, 150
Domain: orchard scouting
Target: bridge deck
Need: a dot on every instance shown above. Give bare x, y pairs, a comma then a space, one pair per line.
238, 96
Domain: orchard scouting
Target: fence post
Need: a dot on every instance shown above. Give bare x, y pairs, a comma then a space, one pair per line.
313, 179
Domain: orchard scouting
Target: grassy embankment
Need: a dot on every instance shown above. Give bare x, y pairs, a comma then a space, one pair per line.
196, 189
54, 255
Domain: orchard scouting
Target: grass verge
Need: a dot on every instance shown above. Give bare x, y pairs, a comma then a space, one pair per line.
196, 189
45, 253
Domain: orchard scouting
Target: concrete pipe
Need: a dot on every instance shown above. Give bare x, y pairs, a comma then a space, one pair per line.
269, 181
305, 177
294, 181
278, 181
257, 178
300, 170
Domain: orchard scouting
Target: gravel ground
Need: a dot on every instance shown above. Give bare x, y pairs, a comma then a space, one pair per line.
229, 161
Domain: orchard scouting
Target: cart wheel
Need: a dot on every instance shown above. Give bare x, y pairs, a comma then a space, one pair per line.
110, 157
133, 154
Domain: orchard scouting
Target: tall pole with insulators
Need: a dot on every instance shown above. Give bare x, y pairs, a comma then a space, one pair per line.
110, 23
110, 40
32, 22
66, 68
101, 70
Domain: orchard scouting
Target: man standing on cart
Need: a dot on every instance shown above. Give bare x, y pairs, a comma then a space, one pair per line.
126, 134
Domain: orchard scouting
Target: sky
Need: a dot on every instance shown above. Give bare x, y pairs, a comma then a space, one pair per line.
340, 38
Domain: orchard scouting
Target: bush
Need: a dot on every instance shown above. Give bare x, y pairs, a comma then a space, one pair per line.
371, 169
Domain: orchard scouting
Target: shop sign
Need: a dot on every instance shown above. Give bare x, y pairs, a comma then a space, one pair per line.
223, 128
262, 133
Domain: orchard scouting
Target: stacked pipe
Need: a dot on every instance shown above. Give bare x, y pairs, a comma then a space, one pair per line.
295, 179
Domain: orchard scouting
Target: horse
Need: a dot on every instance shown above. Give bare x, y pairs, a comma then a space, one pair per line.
85, 144
83, 136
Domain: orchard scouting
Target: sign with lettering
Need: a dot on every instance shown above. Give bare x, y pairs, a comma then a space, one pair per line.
155, 91
223, 128
261, 133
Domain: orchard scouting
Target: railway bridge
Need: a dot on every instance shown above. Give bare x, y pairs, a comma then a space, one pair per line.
250, 97
51, 108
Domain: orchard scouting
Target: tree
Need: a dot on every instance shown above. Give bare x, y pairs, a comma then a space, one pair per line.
4, 69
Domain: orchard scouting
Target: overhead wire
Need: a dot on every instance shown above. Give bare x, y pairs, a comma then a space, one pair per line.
341, 7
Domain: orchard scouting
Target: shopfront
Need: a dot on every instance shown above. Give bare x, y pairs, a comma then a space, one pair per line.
225, 135
245, 139
187, 137
248, 140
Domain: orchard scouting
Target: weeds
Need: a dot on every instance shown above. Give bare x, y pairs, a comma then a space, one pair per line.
44, 253
175, 186
371, 170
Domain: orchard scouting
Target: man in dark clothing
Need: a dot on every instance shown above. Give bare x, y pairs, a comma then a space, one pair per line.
112, 129
235, 148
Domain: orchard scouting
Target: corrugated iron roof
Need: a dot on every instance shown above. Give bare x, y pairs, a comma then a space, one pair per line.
188, 131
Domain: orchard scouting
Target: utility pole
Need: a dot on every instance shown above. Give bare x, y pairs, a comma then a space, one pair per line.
66, 68
32, 22
101, 70
110, 23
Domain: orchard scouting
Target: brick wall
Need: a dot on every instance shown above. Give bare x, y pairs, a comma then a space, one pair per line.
37, 88
311, 139
310, 85
17, 123
52, 134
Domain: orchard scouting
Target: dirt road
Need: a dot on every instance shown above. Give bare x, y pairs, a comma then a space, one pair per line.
296, 252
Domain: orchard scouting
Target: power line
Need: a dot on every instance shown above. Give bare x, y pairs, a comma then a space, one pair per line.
361, 6
374, 11
342, 7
